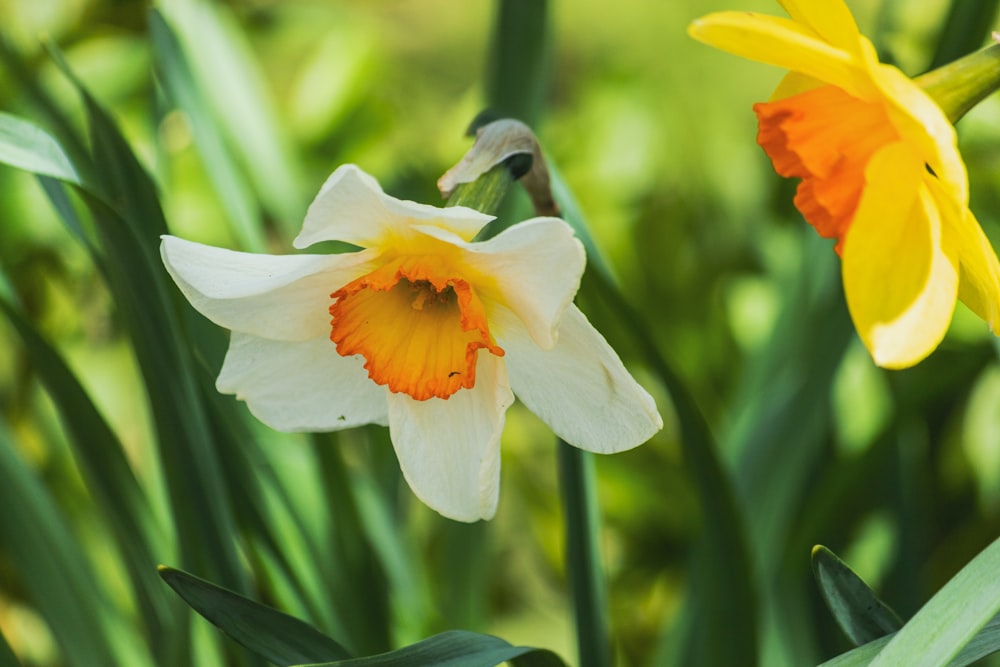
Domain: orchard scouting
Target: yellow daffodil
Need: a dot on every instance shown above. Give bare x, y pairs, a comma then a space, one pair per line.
422, 330
880, 173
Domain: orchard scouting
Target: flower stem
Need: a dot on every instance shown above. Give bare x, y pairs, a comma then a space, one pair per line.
486, 192
964, 83
576, 467
583, 562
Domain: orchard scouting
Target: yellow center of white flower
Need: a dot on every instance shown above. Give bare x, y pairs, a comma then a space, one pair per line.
418, 328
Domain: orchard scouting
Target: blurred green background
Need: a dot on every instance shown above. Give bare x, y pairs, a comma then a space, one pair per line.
897, 472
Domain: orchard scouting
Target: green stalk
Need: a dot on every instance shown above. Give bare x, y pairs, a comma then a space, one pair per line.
964, 83
486, 192
576, 469
583, 560
517, 78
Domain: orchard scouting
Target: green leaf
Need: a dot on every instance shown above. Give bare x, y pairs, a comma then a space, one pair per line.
722, 600
234, 191
129, 233
26, 82
273, 635
102, 461
860, 613
57, 577
55, 190
356, 565
951, 618
225, 69
517, 74
963, 30
29, 147
986, 642
456, 648
7, 657
574, 218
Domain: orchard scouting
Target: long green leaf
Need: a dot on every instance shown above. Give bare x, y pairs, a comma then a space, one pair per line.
26, 146
102, 460
860, 613
779, 431
456, 648
7, 657
357, 577
260, 500
951, 618
986, 642
964, 29
273, 635
583, 563
225, 69
129, 237
722, 594
27, 82
53, 569
55, 190
517, 73
234, 192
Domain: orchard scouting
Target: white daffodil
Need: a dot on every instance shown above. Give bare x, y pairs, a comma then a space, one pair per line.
421, 330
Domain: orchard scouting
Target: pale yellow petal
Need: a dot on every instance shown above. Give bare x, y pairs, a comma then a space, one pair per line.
783, 43
900, 273
831, 20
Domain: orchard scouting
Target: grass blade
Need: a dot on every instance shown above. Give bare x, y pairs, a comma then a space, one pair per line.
723, 592
181, 87
457, 648
7, 657
53, 569
964, 30
28, 147
986, 642
224, 67
267, 632
517, 74
860, 613
951, 618
110, 479
129, 238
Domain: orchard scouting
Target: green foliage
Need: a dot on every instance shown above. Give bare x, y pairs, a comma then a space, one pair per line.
957, 627
287, 641
861, 614
457, 648
275, 636
117, 453
28, 147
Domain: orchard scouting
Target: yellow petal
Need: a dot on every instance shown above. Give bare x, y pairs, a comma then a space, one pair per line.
786, 44
830, 19
825, 137
900, 274
794, 83
979, 281
922, 123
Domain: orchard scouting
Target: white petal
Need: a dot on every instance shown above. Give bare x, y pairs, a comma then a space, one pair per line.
302, 385
581, 389
352, 207
284, 297
533, 268
449, 449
